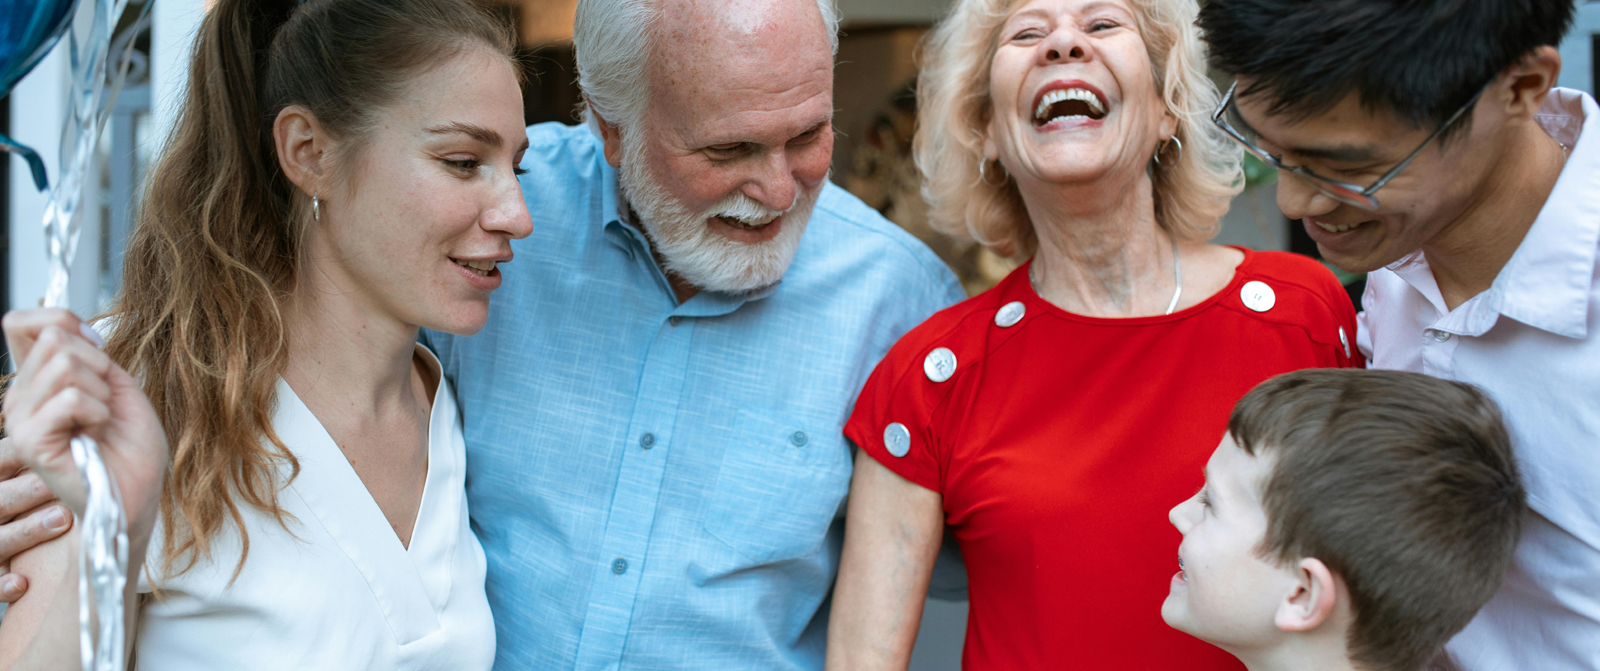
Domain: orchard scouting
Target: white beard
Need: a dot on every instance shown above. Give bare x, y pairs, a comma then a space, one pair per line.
700, 256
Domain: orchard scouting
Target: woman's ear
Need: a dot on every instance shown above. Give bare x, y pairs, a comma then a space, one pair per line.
991, 149
1313, 599
301, 145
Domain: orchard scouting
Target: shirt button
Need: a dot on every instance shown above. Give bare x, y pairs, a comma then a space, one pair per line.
940, 364
675, 320
1010, 314
1257, 296
897, 439
647, 441
799, 439
620, 566
1440, 336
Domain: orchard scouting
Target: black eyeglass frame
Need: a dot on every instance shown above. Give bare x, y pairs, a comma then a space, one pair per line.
1344, 192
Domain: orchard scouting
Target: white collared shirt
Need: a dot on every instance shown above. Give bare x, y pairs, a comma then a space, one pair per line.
1532, 341
336, 590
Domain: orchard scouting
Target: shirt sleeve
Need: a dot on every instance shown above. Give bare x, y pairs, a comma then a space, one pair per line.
893, 417
1328, 317
1349, 327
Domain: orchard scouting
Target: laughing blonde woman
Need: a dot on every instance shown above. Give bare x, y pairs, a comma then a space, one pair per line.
1051, 421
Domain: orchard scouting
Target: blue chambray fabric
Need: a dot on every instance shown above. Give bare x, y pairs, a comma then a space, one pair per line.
661, 486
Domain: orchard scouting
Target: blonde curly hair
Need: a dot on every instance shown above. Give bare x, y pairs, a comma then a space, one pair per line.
1191, 190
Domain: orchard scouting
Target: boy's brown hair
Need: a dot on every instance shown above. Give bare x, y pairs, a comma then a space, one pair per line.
1402, 484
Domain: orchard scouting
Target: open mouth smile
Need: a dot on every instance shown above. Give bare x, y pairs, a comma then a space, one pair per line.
483, 268
1069, 101
1336, 228
745, 224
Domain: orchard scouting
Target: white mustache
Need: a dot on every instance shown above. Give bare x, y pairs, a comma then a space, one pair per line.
746, 209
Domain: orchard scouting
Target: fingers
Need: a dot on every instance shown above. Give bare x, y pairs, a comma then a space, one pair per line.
23, 327
57, 361
20, 494
10, 465
52, 342
44, 440
24, 533
12, 587
68, 370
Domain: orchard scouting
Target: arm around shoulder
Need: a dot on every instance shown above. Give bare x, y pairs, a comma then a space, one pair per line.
39, 631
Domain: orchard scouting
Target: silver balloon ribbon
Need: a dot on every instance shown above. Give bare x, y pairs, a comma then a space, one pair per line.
103, 527
102, 563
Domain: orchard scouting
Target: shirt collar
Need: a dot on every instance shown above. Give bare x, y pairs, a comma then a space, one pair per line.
1547, 282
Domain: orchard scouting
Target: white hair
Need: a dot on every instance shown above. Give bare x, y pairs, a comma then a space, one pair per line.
614, 40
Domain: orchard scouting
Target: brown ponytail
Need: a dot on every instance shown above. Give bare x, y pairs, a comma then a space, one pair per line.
216, 247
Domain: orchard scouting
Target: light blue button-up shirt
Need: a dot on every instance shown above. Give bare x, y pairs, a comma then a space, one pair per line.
660, 485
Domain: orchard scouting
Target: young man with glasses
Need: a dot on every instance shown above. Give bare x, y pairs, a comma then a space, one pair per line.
1424, 142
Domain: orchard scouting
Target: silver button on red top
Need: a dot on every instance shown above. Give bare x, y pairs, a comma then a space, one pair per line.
1257, 296
1009, 314
940, 364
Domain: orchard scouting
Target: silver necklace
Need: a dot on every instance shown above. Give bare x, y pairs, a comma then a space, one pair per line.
1177, 277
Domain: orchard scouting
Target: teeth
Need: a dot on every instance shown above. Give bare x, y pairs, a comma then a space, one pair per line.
749, 224
479, 267
1060, 95
1331, 228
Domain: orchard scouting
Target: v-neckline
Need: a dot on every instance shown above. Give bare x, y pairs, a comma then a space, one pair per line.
411, 584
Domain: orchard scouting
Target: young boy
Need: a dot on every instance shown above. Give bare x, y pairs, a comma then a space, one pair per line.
1351, 519
1425, 143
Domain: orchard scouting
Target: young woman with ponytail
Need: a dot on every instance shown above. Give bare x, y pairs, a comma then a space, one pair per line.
341, 174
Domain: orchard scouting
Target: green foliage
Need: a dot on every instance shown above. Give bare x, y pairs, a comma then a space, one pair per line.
1256, 172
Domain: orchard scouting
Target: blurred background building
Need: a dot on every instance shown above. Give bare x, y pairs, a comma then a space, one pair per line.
875, 119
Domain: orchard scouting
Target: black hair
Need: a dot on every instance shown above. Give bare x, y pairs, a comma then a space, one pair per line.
1419, 59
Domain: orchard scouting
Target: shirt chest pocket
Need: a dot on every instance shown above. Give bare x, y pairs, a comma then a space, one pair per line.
780, 485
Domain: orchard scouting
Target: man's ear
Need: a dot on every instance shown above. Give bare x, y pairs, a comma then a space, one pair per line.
301, 146
611, 134
1314, 597
1524, 85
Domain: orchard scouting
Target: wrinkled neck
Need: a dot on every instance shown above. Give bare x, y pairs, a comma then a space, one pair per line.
1101, 251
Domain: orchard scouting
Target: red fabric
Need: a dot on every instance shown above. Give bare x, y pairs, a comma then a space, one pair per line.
1061, 442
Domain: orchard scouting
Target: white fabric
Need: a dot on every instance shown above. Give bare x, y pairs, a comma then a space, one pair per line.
336, 590
1532, 341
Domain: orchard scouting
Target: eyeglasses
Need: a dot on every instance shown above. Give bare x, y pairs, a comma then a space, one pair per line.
1343, 192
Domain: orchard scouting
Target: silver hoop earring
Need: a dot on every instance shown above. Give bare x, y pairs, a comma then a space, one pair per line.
982, 177
316, 208
1162, 148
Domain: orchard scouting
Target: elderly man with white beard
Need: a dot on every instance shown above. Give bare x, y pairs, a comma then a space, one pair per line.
653, 413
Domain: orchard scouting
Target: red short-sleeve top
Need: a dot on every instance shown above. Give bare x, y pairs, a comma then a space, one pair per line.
1059, 442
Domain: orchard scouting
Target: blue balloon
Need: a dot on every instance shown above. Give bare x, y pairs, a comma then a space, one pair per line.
28, 29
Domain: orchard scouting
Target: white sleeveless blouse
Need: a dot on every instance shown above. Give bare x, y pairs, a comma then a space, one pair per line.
336, 590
